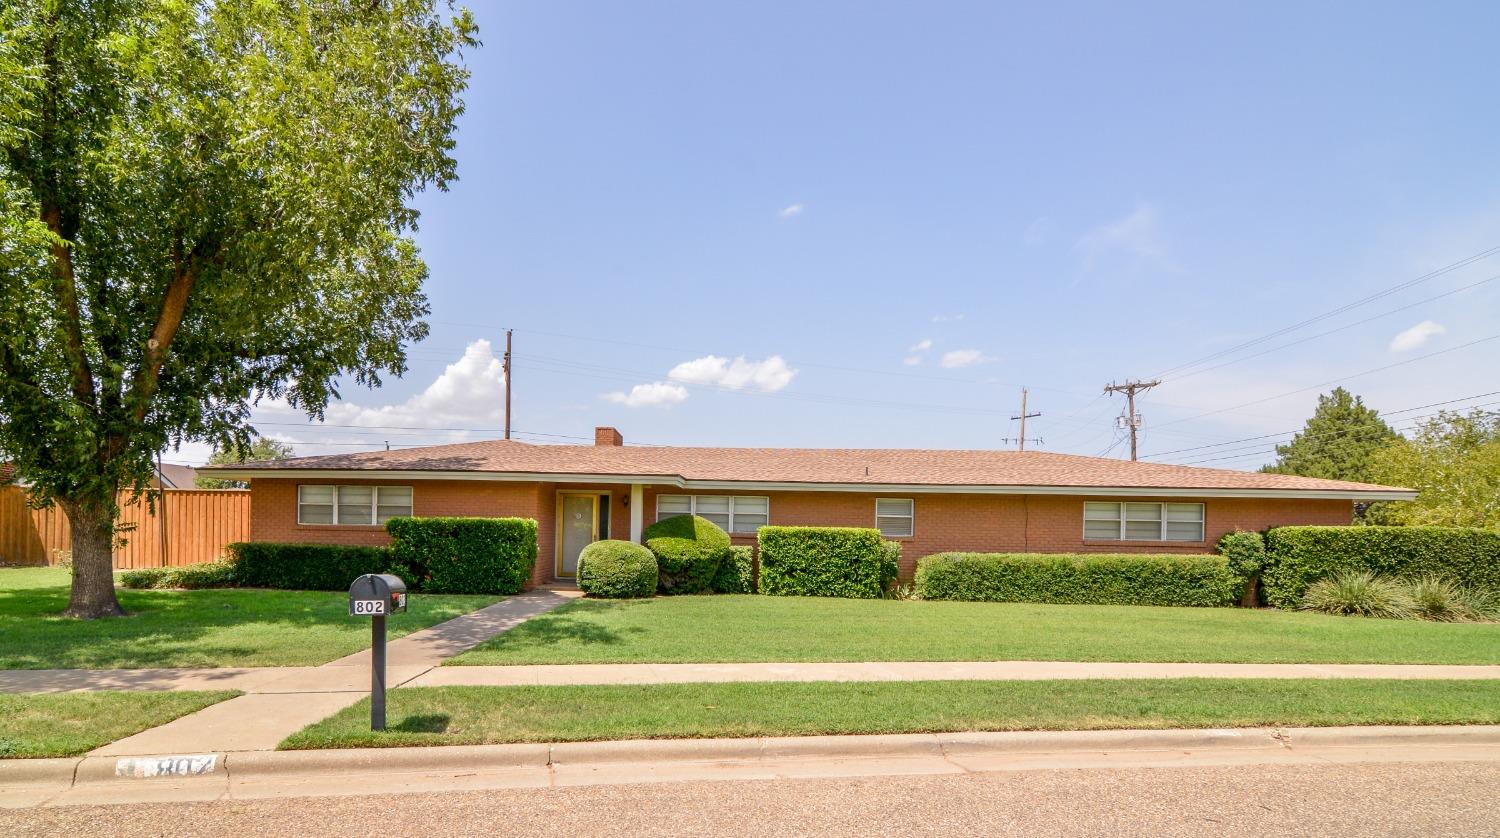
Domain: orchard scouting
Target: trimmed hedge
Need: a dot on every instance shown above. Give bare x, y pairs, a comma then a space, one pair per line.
305, 567
1299, 556
689, 550
463, 555
616, 570
218, 574
737, 572
851, 562
1084, 579
1246, 552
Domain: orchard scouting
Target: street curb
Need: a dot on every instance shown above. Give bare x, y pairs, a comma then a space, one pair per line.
287, 769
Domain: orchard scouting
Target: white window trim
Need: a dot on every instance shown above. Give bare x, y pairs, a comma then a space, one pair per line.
374, 505
910, 517
693, 508
1161, 538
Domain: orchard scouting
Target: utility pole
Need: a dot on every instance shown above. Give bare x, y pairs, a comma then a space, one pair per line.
506, 367
1023, 417
1132, 420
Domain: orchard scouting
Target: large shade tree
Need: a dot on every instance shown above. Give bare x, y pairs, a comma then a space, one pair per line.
1453, 461
1338, 442
204, 203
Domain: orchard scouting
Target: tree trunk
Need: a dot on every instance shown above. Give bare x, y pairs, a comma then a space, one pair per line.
93, 531
1251, 596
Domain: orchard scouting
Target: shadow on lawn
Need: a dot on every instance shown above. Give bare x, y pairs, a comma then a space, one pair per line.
423, 723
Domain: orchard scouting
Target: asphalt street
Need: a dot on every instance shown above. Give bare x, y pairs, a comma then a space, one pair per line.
1428, 799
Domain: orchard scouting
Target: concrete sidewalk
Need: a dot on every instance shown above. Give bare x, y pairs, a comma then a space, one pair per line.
286, 700
243, 776
348, 675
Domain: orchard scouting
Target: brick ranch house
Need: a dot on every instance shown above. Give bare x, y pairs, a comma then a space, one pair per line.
930, 501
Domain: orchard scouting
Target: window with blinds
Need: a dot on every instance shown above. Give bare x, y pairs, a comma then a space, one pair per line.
895, 517
1126, 521
732, 513
352, 505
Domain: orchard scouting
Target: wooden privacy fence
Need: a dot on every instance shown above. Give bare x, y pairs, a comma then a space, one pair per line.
187, 526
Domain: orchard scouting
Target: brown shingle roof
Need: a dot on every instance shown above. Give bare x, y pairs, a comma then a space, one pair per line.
939, 468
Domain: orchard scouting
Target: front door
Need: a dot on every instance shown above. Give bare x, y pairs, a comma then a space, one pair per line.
578, 523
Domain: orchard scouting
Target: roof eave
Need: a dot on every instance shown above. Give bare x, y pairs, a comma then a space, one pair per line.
679, 482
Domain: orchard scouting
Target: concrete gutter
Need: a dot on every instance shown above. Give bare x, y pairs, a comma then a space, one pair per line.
265, 774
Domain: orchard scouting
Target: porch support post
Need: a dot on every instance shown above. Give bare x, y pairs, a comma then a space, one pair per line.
637, 514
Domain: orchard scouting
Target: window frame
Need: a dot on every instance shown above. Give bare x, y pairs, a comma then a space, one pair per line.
1123, 520
733, 499
910, 517
375, 504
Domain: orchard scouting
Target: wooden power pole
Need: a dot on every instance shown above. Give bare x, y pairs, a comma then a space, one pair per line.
506, 367
1132, 419
1023, 417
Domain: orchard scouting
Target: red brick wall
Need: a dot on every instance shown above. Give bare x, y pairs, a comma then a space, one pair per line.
1036, 523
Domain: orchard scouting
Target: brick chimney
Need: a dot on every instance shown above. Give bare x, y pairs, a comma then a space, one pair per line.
608, 436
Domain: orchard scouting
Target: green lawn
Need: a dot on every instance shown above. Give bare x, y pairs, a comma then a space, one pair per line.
701, 629
479, 715
209, 628
67, 724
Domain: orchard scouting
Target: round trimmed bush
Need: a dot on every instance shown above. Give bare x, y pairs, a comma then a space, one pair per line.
688, 551
616, 570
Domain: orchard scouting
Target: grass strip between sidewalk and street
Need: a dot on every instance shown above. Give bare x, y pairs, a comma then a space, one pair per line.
68, 724
488, 715
203, 628
742, 629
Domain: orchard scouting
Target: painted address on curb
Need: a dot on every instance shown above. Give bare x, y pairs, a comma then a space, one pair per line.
185, 765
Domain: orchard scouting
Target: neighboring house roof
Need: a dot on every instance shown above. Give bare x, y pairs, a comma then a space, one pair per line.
814, 469
173, 476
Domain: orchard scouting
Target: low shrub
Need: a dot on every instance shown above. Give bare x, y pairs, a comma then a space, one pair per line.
688, 550
305, 567
617, 570
463, 555
1299, 556
845, 562
1246, 552
1092, 579
890, 565
737, 572
1360, 593
194, 576
1437, 599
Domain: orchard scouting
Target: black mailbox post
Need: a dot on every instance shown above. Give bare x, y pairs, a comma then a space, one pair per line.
375, 595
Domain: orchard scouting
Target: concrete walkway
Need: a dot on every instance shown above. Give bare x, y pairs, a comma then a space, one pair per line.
341, 676
284, 701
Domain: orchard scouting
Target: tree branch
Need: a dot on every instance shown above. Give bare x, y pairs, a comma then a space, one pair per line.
64, 286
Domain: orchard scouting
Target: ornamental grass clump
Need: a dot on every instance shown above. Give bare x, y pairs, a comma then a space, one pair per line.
1438, 599
1360, 593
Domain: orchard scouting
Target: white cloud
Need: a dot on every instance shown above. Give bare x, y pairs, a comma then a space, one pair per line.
470, 391
655, 394
964, 358
1416, 336
1137, 236
768, 376
921, 345
791, 210
912, 360
946, 318
1037, 232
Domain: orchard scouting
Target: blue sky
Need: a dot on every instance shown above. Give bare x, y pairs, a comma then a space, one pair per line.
1053, 197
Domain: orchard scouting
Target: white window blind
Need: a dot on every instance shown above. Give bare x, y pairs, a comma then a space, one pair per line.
1108, 521
732, 513
895, 516
352, 505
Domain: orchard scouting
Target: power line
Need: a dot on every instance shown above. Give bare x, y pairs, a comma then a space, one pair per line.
1284, 433
1427, 277
1335, 380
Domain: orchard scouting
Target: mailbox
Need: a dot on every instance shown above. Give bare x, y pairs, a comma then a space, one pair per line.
376, 595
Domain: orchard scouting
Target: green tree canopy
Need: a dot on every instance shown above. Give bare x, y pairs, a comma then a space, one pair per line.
1453, 460
204, 203
259, 450
1337, 442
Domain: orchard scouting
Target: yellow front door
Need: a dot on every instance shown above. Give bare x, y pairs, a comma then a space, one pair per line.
578, 527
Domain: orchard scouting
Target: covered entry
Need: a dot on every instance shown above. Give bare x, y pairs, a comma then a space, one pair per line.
582, 519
